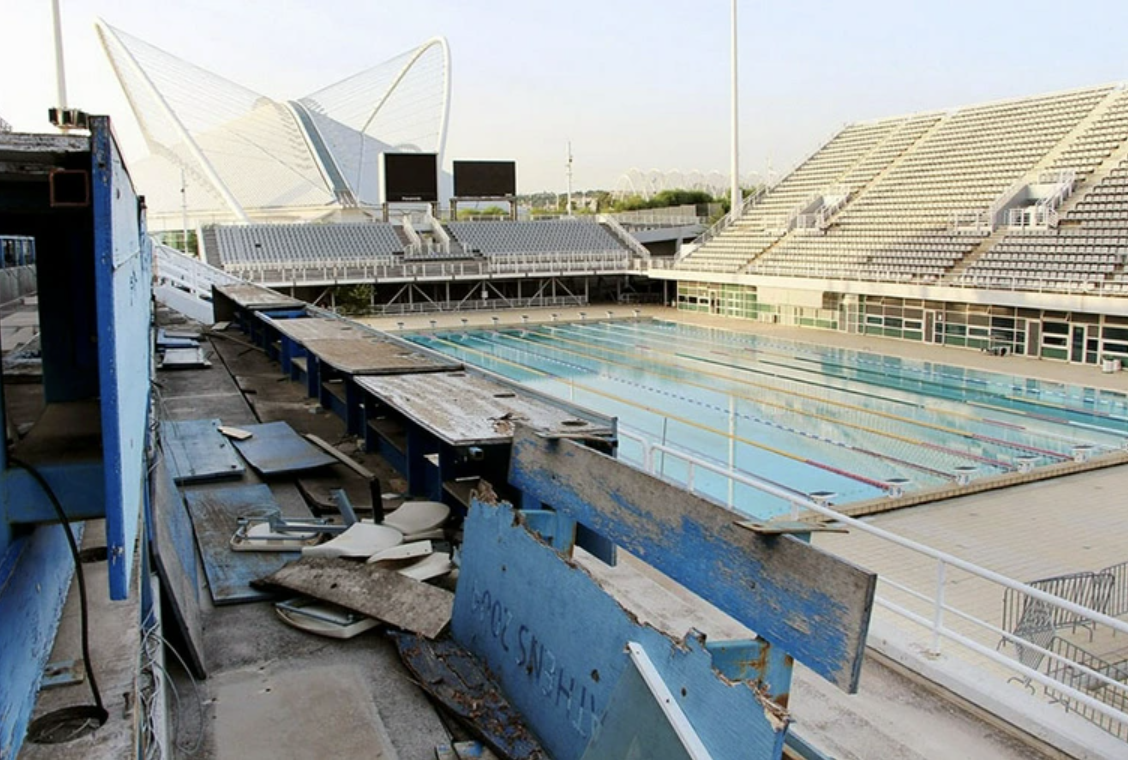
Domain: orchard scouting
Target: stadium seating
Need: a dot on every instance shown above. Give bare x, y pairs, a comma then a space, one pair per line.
1086, 252
911, 183
555, 236
304, 244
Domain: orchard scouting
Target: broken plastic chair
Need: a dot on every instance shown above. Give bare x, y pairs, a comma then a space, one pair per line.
413, 550
273, 533
323, 618
419, 519
359, 540
262, 536
431, 566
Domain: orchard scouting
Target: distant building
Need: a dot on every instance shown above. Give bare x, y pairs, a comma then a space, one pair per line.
221, 153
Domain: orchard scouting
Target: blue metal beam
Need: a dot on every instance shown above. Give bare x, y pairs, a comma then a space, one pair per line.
812, 605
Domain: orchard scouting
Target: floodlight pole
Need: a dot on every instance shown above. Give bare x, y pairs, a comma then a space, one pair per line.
60, 71
569, 205
735, 199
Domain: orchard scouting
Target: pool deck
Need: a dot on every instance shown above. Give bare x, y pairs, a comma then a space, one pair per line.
1041, 369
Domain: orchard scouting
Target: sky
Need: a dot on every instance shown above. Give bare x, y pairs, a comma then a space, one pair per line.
632, 84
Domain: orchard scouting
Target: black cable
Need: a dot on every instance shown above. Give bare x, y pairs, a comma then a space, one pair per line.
102, 715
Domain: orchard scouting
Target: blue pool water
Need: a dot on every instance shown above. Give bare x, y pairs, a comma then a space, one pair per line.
804, 417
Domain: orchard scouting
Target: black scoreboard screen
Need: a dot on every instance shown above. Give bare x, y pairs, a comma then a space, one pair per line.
485, 179
411, 177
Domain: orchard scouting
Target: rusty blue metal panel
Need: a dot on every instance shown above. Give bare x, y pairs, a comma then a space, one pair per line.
174, 556
810, 604
123, 277
556, 642
274, 448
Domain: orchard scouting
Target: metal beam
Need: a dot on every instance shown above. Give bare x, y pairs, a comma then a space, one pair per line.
814, 606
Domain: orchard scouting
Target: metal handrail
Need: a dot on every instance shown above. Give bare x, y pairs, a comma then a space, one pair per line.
799, 503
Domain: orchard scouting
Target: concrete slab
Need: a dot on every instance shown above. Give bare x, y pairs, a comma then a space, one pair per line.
276, 713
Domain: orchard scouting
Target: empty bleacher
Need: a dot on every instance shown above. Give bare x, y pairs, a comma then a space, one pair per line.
1087, 251
554, 236
913, 182
290, 245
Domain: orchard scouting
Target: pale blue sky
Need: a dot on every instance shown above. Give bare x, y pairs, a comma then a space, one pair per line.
631, 83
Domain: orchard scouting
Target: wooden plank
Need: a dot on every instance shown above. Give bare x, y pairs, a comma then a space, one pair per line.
174, 556
382, 594
303, 329
359, 355
814, 606
196, 451
255, 298
340, 456
464, 409
215, 517
459, 682
274, 448
556, 641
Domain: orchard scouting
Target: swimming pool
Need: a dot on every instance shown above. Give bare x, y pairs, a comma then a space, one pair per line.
807, 418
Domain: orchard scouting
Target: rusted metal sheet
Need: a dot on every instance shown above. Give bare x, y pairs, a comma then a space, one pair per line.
811, 604
382, 594
557, 643
459, 681
274, 448
464, 409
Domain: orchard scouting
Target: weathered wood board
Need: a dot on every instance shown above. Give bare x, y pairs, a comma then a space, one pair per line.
303, 329
359, 355
255, 298
215, 517
274, 448
196, 451
382, 594
813, 605
465, 409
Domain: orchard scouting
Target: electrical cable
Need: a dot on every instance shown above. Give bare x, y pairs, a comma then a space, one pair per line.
97, 711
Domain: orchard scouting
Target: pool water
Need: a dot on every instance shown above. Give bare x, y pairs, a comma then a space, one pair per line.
803, 417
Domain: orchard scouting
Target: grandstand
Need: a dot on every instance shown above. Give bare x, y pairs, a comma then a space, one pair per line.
320, 255
885, 228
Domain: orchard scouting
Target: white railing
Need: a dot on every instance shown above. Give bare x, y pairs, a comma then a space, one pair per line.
626, 238
675, 216
941, 610
186, 272
723, 223
974, 221
559, 261
440, 234
339, 272
533, 302
415, 243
